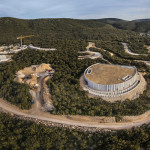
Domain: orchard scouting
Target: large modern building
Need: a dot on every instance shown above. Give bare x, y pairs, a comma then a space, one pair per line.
108, 80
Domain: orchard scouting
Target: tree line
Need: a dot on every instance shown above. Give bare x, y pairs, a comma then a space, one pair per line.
18, 134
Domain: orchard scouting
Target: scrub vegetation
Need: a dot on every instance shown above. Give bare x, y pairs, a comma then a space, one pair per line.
70, 36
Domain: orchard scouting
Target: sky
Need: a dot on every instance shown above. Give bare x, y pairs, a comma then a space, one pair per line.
77, 9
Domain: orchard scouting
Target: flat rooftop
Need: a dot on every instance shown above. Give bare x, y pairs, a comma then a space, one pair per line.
109, 74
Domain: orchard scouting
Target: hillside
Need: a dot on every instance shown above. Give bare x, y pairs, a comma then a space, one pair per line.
134, 26
141, 20
108, 20
70, 36
139, 25
70, 29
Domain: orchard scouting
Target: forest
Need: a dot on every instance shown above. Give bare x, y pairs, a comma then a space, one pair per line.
67, 96
70, 36
53, 32
26, 135
141, 25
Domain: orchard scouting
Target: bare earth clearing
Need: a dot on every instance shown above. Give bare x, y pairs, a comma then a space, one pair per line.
148, 47
33, 76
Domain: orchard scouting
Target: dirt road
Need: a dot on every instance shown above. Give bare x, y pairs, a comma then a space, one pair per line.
127, 50
83, 121
70, 120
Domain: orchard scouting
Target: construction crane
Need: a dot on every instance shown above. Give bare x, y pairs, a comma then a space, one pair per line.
22, 37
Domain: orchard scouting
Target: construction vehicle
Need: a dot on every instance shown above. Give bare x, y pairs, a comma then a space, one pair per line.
22, 37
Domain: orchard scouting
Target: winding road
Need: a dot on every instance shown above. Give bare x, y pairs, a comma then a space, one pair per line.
127, 50
92, 54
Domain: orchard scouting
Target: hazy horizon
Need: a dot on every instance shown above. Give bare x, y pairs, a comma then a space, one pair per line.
77, 18
76, 9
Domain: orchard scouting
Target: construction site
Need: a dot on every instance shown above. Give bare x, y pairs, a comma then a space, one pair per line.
34, 76
6, 52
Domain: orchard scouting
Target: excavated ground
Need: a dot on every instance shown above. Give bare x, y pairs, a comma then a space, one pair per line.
34, 76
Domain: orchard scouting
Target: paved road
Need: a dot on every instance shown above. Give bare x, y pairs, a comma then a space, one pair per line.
127, 50
92, 54
38, 48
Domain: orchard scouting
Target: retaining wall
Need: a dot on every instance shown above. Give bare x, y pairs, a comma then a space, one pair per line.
113, 87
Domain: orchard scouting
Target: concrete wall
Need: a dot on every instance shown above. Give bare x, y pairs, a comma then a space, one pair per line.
113, 87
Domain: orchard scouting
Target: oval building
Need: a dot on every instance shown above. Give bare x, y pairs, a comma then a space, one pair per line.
109, 80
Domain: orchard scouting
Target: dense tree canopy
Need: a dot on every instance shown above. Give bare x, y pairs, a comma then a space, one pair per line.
25, 135
141, 25
69, 36
67, 96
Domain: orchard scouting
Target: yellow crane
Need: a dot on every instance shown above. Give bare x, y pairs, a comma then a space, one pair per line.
22, 37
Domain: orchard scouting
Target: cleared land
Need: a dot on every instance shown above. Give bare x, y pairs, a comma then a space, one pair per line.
148, 47
30, 75
108, 74
34, 76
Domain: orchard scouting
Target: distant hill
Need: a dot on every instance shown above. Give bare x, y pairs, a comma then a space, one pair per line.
141, 20
53, 29
108, 20
143, 26
139, 25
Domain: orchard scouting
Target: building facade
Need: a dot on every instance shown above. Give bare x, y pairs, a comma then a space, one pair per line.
128, 82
